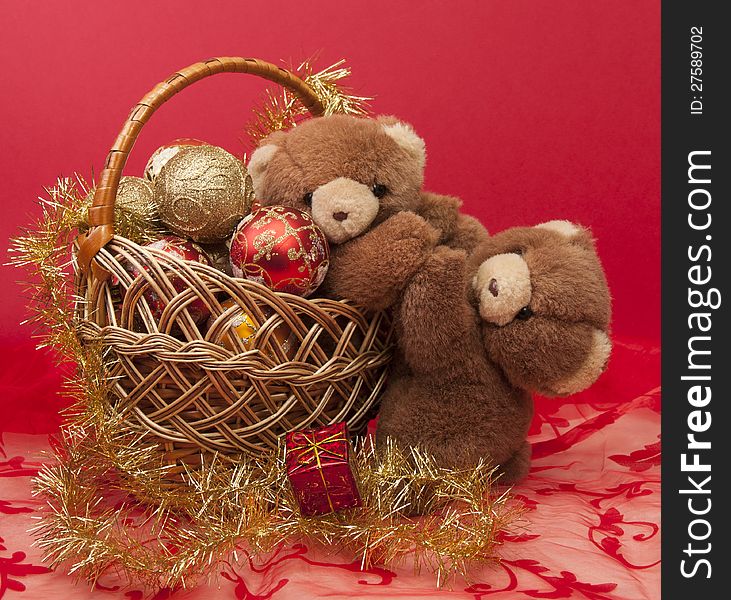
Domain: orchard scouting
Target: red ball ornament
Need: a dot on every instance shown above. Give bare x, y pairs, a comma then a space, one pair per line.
184, 250
282, 248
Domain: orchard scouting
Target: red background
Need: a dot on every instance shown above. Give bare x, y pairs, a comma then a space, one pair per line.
531, 110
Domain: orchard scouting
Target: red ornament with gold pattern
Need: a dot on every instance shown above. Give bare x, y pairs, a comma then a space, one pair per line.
319, 470
184, 250
281, 248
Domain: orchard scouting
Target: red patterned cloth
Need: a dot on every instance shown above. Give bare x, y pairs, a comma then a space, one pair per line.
593, 496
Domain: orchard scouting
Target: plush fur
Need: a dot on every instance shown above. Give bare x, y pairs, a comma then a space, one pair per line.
570, 301
461, 382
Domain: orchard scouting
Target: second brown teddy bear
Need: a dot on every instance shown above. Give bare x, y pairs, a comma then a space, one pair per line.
528, 311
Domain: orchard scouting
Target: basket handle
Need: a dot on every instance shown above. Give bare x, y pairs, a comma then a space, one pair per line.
101, 213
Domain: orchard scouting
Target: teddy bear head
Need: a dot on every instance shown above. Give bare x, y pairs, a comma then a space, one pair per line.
545, 307
349, 173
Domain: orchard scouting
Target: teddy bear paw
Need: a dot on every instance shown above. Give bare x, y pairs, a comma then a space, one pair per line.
407, 225
595, 362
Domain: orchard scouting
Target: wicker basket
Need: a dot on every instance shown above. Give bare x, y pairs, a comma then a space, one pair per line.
177, 382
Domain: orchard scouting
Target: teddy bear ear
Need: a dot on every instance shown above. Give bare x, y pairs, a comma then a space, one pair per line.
405, 136
576, 233
258, 163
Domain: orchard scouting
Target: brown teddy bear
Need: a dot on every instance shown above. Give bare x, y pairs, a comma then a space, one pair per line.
457, 386
527, 311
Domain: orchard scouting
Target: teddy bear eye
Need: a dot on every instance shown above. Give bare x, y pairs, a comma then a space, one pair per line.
524, 313
379, 190
307, 198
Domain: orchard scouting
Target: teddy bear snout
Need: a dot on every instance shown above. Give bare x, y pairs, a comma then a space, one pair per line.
503, 286
344, 208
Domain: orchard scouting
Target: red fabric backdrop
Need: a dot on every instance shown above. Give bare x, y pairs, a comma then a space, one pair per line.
531, 110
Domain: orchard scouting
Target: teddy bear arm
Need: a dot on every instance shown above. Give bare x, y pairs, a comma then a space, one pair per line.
373, 269
438, 324
458, 230
468, 234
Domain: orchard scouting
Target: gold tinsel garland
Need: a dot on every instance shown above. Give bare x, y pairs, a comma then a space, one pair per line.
283, 109
98, 523
45, 250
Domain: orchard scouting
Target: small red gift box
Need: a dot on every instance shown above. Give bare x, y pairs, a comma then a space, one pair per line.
318, 467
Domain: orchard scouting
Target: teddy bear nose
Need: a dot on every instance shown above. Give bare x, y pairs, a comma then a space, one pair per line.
340, 215
492, 286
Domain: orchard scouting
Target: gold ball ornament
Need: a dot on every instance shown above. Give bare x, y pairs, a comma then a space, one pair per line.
135, 210
163, 154
203, 192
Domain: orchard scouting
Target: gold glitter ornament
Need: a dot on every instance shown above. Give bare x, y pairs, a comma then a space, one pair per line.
203, 192
215, 508
135, 193
163, 154
135, 211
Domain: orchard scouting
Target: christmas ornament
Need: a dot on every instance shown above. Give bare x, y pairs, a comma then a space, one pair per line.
281, 248
164, 153
218, 253
202, 192
236, 325
101, 471
135, 211
319, 470
184, 250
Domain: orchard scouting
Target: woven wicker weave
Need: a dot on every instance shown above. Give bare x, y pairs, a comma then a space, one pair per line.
179, 383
